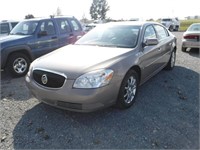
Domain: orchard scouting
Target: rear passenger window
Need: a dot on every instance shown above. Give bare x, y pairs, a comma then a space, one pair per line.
75, 25
162, 32
64, 26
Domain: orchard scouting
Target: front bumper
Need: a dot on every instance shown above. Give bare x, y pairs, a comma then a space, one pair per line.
80, 100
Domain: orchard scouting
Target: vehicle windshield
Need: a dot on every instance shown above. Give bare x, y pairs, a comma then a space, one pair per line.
24, 28
194, 27
111, 36
4, 28
167, 19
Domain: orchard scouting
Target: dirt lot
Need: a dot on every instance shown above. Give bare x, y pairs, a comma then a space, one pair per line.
166, 115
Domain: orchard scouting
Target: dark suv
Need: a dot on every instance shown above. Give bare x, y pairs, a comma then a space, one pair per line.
35, 37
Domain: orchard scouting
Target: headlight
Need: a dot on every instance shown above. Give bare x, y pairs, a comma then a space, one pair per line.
94, 79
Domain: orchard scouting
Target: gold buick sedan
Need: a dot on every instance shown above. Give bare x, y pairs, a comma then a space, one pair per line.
104, 67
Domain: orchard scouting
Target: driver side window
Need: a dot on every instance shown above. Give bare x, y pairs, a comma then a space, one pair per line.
149, 33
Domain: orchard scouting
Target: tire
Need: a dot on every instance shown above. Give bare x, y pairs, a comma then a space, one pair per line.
171, 28
177, 27
172, 60
18, 64
128, 90
183, 49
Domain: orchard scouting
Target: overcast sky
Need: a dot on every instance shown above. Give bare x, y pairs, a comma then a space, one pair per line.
126, 9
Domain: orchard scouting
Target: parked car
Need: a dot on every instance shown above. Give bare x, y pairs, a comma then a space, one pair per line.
33, 38
172, 24
6, 26
191, 38
90, 26
104, 67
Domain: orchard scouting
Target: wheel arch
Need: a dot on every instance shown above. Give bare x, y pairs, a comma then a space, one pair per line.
6, 53
137, 69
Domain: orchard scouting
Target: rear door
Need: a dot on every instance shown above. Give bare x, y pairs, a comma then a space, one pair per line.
65, 31
77, 30
165, 45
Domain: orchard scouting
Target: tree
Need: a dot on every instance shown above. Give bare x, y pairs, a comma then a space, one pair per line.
99, 9
29, 16
58, 12
150, 19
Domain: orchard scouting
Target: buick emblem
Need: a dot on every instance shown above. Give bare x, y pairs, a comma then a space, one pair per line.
44, 79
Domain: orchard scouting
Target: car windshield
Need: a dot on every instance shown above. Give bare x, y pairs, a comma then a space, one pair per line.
24, 28
111, 36
4, 28
194, 27
166, 19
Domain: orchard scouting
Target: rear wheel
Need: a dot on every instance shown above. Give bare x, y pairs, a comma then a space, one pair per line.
128, 90
18, 64
184, 49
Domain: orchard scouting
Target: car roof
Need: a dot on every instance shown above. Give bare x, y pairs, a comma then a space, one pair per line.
6, 21
44, 18
138, 23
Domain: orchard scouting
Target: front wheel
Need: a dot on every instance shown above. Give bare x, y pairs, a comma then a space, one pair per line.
177, 27
172, 60
128, 90
18, 64
183, 49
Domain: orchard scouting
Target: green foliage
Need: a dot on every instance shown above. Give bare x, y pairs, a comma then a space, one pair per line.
99, 9
29, 16
186, 23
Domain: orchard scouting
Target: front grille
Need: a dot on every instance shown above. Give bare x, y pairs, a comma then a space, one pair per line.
48, 79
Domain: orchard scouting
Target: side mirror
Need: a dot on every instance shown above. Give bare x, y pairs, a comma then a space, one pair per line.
150, 42
42, 33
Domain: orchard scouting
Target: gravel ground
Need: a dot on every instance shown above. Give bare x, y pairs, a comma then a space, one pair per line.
165, 116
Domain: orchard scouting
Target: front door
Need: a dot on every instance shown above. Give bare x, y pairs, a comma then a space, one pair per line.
149, 60
47, 42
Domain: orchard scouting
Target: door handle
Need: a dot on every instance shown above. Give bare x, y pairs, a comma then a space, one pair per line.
159, 49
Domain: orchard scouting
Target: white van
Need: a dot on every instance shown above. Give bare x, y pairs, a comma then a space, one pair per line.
172, 24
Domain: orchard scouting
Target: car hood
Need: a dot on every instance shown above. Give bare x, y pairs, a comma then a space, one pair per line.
13, 40
74, 60
3, 35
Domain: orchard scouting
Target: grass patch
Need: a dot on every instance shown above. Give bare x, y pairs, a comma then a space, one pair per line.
186, 23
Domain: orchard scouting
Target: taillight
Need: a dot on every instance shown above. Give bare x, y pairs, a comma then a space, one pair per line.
191, 37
